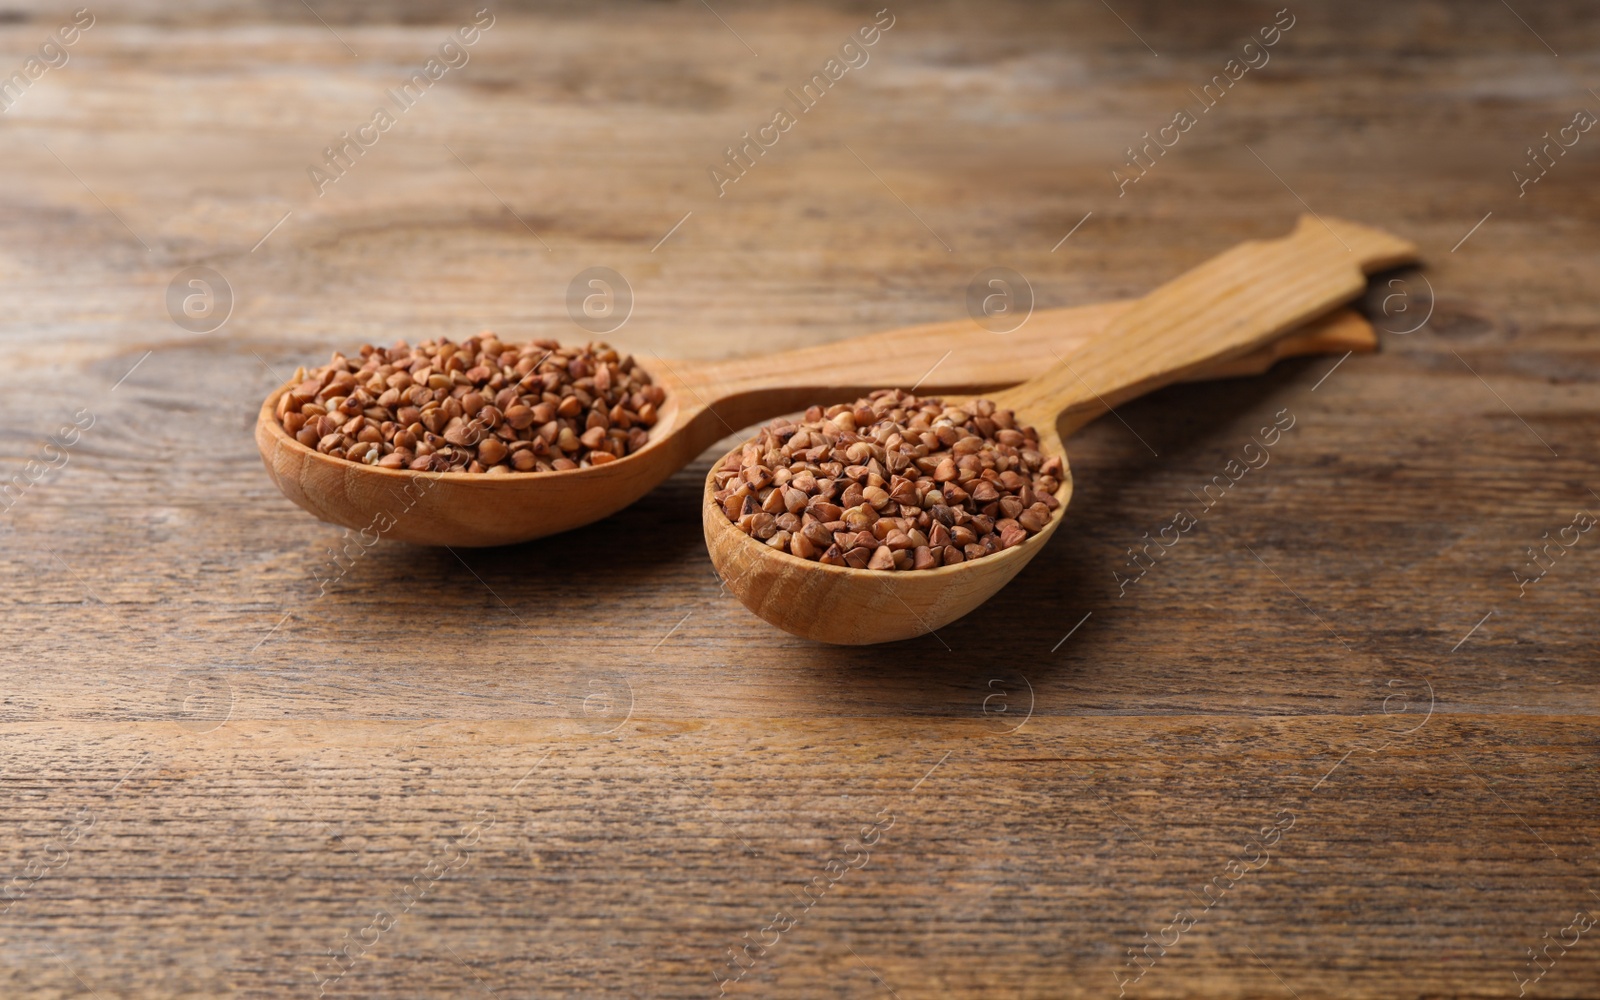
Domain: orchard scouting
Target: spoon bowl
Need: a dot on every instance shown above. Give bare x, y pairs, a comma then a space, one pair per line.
466, 508
853, 607
1227, 308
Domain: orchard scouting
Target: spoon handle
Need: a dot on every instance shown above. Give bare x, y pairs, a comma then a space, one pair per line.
1232, 305
959, 358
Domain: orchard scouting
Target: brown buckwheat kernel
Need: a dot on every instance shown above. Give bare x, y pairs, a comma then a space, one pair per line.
892, 482
478, 406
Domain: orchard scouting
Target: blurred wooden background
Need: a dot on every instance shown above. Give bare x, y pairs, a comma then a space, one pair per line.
577, 767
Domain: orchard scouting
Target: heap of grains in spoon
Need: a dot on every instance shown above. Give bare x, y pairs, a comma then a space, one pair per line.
892, 482
482, 405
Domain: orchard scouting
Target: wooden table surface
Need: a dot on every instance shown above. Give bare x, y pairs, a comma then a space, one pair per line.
1340, 740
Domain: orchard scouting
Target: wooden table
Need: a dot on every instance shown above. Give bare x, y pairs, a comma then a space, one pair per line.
1328, 745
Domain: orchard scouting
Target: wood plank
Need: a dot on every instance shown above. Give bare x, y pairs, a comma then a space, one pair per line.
1024, 863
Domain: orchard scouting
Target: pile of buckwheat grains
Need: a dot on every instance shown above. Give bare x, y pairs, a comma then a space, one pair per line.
482, 405
892, 482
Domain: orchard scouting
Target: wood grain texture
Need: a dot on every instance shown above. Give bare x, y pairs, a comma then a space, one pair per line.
293, 756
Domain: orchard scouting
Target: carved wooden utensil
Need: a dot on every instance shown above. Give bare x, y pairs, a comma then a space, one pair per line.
1224, 309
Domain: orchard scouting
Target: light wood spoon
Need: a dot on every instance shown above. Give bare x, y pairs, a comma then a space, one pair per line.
1226, 308
707, 401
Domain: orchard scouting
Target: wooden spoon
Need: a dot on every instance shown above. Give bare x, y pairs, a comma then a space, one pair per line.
707, 401
1230, 306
